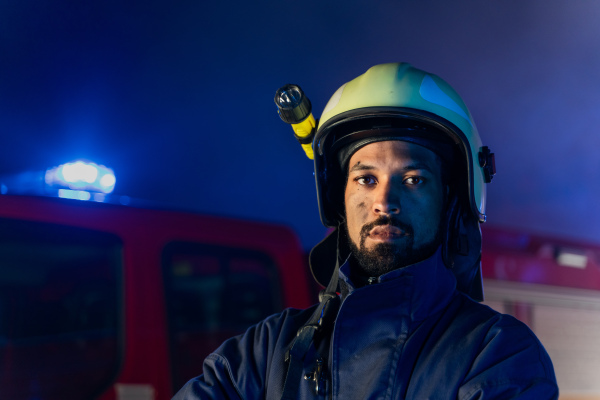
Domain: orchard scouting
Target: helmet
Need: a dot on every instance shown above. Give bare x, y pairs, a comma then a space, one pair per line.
398, 101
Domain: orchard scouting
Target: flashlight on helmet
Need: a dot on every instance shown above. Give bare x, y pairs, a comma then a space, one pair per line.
294, 108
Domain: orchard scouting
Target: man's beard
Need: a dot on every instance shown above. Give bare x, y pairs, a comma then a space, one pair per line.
386, 257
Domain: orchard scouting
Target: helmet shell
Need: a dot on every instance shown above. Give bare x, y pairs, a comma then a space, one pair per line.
405, 92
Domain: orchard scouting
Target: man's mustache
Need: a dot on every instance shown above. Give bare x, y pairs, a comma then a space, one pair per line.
386, 220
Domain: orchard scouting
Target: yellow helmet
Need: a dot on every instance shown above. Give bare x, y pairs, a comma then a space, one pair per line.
398, 101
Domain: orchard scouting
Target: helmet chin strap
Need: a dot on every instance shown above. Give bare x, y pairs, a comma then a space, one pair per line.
317, 326
331, 251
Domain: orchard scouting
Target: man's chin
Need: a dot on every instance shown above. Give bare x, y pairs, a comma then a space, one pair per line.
381, 258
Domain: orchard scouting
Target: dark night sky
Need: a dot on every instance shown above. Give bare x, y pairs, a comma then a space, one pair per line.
177, 97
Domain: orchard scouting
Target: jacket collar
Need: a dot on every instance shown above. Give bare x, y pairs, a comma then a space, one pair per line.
423, 288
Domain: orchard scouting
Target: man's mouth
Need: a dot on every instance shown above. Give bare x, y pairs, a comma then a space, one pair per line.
386, 233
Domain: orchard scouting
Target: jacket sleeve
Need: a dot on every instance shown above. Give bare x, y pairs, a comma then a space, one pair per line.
241, 367
217, 381
512, 364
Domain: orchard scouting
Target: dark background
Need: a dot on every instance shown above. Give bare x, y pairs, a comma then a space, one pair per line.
177, 97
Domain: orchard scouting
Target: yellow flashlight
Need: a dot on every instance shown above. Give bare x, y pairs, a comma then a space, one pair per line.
294, 108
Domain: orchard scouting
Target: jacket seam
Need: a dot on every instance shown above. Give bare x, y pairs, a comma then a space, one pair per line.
225, 363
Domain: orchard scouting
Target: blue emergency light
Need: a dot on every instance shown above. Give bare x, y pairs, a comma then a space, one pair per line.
81, 176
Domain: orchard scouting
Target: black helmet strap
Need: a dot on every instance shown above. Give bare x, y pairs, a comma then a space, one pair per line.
323, 317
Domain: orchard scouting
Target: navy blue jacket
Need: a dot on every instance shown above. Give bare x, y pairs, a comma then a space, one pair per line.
411, 335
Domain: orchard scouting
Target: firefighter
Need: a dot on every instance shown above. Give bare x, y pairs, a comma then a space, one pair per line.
400, 173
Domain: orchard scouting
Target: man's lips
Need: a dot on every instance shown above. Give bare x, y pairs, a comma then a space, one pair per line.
386, 232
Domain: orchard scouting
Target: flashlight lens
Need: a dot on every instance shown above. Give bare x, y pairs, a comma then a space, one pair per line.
289, 97
293, 106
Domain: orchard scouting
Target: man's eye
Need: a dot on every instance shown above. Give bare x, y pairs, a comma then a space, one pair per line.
414, 180
365, 180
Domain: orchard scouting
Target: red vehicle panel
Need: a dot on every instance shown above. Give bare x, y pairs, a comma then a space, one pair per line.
510, 255
153, 247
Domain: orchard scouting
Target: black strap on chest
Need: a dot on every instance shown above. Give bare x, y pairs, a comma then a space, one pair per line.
323, 316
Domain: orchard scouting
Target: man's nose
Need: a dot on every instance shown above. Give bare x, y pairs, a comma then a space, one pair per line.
386, 200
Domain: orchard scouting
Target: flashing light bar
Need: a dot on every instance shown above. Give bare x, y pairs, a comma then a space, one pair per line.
81, 176
74, 194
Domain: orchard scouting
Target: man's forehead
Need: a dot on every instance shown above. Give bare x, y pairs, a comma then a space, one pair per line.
393, 153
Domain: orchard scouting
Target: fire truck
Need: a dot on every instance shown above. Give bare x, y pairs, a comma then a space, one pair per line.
117, 302
111, 301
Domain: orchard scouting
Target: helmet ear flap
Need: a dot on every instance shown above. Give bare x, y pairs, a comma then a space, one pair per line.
330, 252
462, 248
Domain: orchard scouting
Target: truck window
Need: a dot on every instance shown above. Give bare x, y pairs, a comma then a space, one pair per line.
213, 293
60, 310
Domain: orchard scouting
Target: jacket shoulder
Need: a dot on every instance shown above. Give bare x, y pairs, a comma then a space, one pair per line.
242, 365
486, 355
508, 360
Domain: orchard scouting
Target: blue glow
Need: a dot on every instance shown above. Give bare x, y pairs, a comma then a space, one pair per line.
431, 92
74, 194
82, 175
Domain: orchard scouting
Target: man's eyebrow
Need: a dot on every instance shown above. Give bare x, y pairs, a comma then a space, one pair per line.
417, 166
410, 167
361, 167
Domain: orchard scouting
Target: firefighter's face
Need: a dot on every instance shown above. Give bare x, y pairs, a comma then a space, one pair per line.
394, 201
